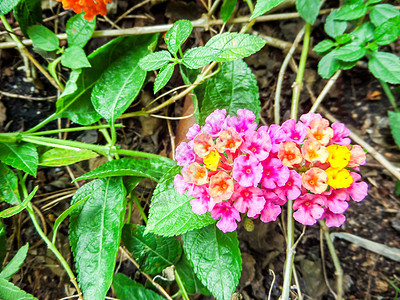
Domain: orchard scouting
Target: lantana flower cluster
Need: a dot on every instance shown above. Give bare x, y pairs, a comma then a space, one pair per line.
90, 7
231, 167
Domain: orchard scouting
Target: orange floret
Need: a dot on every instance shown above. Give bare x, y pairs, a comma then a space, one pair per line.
90, 7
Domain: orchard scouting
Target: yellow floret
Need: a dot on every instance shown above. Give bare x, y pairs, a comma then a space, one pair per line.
338, 178
339, 156
211, 160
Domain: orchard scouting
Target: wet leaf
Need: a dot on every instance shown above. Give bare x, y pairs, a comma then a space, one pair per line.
22, 156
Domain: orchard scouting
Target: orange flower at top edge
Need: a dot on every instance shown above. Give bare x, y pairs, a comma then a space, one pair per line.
90, 7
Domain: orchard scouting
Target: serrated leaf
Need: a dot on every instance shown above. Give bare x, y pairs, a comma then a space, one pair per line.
153, 253
58, 157
235, 45
3, 244
227, 8
198, 57
95, 234
328, 65
155, 61
22, 156
7, 5
216, 259
263, 6
351, 11
171, 213
394, 119
142, 167
75, 102
382, 12
233, 88
43, 37
192, 284
75, 58
127, 289
308, 9
350, 53
15, 263
79, 30
8, 186
333, 27
177, 35
323, 46
28, 13
388, 31
385, 66
163, 77
9, 212
11, 292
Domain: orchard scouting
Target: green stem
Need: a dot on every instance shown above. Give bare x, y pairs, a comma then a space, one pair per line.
128, 218
82, 128
251, 5
389, 94
178, 279
140, 208
52, 70
43, 123
213, 7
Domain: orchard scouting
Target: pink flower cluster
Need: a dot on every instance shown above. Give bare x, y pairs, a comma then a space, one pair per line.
231, 167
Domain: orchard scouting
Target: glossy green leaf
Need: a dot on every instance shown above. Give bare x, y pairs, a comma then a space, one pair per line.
153, 253
371, 2
235, 45
127, 289
388, 31
385, 66
351, 11
227, 8
363, 34
7, 5
155, 61
75, 58
9, 291
75, 102
43, 37
95, 234
233, 88
344, 38
346, 65
22, 156
58, 157
9, 212
28, 13
171, 213
394, 118
328, 65
141, 167
163, 77
334, 27
79, 30
192, 284
15, 263
216, 259
382, 12
131, 182
350, 53
3, 244
308, 9
263, 6
8, 186
198, 57
177, 35
323, 46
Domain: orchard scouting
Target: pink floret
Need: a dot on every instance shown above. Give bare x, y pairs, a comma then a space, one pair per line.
215, 123
340, 134
228, 214
296, 131
193, 131
333, 220
272, 207
307, 118
181, 185
336, 201
275, 173
244, 122
308, 209
257, 143
185, 154
248, 198
292, 189
357, 190
247, 170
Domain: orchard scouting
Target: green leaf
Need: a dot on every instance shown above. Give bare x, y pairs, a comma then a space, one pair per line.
8, 186
344, 65
58, 157
350, 53
127, 289
328, 65
75, 58
15, 263
263, 6
344, 38
192, 284
28, 13
9, 291
171, 213
227, 9
3, 244
75, 102
153, 253
323, 46
394, 119
163, 77
388, 31
7, 5
351, 11
371, 2
95, 234
235, 45
381, 13
385, 66
198, 57
79, 30
9, 212
43, 37
397, 190
216, 259
333, 27
142, 167
131, 182
363, 34
155, 61
233, 88
177, 35
308, 9
22, 156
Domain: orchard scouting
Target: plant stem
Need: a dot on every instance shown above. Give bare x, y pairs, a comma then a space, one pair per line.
43, 123
140, 208
178, 279
213, 7
389, 94
82, 128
